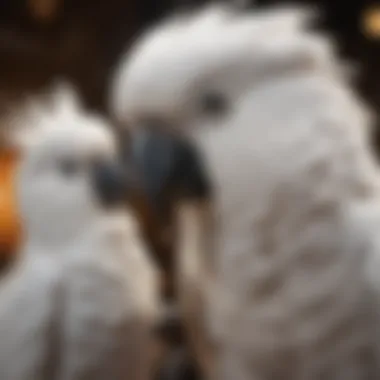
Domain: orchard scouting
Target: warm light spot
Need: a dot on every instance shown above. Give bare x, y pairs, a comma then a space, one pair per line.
44, 11
10, 230
371, 22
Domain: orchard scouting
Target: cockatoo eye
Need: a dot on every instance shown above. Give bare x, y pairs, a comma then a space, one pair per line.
214, 104
69, 168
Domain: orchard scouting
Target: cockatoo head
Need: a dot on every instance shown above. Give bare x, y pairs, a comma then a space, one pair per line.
258, 94
215, 58
69, 174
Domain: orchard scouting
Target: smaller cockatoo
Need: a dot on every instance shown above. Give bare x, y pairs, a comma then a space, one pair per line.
83, 296
249, 121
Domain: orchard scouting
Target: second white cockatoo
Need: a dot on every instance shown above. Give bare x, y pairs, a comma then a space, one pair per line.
248, 120
82, 298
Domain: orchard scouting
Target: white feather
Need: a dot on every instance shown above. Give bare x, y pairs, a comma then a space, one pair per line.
81, 300
293, 176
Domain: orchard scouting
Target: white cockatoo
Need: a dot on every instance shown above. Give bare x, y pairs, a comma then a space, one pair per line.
249, 120
82, 298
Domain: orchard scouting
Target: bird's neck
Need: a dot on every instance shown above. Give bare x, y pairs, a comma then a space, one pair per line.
288, 254
55, 240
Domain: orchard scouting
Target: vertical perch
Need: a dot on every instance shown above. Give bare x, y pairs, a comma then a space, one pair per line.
195, 279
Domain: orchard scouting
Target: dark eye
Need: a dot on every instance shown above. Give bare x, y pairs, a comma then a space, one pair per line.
214, 104
69, 168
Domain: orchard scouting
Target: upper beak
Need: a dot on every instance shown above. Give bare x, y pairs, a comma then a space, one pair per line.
168, 166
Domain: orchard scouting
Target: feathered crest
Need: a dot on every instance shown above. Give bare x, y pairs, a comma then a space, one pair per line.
279, 38
56, 108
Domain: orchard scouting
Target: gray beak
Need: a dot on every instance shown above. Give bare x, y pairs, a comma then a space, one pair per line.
111, 183
169, 167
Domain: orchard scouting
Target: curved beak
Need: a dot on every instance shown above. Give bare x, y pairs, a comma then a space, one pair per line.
170, 168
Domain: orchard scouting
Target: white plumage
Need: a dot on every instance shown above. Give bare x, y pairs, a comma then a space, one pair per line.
296, 189
81, 299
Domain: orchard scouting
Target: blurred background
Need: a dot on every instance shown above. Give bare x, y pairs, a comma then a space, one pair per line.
83, 39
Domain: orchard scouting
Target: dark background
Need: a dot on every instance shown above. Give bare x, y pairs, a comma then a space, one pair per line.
84, 38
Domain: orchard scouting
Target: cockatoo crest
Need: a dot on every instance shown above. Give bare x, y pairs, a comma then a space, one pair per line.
187, 54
